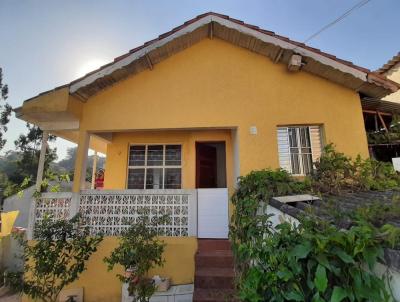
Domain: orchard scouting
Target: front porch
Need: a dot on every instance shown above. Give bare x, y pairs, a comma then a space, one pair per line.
190, 212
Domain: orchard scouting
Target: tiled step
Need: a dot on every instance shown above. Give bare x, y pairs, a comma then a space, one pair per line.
214, 278
213, 295
210, 245
222, 259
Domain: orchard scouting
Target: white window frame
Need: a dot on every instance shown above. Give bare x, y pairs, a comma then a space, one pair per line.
313, 155
145, 166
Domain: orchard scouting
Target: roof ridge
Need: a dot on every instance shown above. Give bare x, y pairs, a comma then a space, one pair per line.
389, 64
382, 80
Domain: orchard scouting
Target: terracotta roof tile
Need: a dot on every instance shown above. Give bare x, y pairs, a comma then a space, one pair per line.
242, 23
392, 62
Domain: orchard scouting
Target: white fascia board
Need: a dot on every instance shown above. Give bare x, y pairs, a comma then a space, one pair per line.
227, 23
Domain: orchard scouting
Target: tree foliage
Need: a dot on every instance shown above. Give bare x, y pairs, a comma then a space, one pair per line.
5, 110
138, 251
314, 260
336, 173
55, 259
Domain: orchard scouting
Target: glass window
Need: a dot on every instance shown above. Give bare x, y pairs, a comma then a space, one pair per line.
155, 167
298, 147
135, 178
155, 155
154, 178
300, 150
172, 178
172, 155
137, 156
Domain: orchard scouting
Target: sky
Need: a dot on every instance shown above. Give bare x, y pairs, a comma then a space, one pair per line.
47, 43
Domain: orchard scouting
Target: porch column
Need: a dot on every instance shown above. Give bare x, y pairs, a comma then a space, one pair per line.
235, 153
42, 158
80, 161
94, 168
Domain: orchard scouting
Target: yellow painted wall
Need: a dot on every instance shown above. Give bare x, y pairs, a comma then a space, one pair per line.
117, 153
217, 84
212, 84
394, 75
7, 222
101, 285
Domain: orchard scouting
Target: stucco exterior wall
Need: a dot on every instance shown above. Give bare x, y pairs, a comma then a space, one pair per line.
117, 153
214, 84
101, 285
394, 75
190, 97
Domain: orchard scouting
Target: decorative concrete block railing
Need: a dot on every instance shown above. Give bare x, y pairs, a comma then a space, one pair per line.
110, 212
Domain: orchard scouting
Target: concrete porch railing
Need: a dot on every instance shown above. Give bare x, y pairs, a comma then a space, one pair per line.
111, 211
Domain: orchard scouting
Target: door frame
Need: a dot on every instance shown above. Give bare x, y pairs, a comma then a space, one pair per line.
197, 175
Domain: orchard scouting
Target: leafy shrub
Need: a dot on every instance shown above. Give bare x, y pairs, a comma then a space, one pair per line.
254, 189
386, 137
55, 259
336, 173
315, 261
139, 250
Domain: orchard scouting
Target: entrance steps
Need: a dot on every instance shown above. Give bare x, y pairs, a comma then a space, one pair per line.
214, 273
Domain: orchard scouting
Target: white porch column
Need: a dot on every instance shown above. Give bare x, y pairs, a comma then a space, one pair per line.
236, 158
80, 161
94, 168
42, 157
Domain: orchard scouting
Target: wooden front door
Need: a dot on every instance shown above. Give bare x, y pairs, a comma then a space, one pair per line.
206, 166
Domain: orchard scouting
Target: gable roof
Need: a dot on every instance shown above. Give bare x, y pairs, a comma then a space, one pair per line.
389, 64
276, 47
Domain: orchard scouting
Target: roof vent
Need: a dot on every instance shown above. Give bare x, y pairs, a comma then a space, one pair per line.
294, 63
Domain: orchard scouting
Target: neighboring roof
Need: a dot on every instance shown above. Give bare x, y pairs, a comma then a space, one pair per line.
261, 41
390, 64
380, 105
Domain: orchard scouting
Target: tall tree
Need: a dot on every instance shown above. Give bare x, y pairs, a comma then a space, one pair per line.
68, 163
5, 110
29, 146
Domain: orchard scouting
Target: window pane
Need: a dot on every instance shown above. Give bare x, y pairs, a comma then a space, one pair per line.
305, 150
295, 163
155, 155
154, 178
304, 137
172, 178
136, 155
292, 137
136, 179
307, 163
173, 155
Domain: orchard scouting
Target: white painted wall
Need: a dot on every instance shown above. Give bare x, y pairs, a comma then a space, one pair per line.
213, 217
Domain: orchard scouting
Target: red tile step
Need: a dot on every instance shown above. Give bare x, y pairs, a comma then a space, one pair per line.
214, 295
214, 278
211, 245
214, 275
222, 259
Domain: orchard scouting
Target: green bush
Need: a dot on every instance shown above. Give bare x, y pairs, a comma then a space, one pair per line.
314, 261
55, 259
254, 189
138, 251
336, 173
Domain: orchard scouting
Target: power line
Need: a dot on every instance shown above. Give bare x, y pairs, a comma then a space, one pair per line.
340, 18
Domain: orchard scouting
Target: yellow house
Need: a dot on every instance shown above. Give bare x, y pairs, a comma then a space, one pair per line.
182, 116
391, 70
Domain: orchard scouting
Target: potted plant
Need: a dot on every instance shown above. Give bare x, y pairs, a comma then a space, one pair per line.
138, 251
